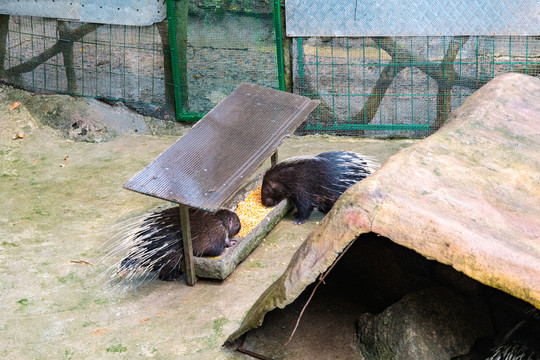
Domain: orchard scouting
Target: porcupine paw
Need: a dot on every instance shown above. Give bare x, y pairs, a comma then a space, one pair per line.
299, 221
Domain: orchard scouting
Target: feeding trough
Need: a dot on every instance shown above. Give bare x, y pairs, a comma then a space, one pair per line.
222, 266
206, 167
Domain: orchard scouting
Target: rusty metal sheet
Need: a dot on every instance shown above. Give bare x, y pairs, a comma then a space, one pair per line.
208, 164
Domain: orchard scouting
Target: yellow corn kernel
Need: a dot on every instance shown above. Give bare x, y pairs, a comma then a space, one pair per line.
251, 211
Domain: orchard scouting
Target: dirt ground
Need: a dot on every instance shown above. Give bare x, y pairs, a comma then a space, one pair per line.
60, 201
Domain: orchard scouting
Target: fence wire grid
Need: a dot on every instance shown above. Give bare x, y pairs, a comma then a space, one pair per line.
392, 86
120, 63
401, 86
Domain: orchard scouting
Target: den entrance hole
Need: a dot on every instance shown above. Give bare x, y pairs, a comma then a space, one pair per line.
380, 298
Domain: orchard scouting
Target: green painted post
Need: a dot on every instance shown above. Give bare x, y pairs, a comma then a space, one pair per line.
279, 45
177, 17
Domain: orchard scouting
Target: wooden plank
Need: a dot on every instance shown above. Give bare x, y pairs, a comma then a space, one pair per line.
188, 247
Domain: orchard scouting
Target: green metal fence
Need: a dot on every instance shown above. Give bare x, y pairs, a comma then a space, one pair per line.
216, 45
123, 63
401, 86
380, 86
220, 44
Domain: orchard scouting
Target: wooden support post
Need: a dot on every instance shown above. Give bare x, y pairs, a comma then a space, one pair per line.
181, 9
64, 33
4, 29
274, 158
188, 248
163, 28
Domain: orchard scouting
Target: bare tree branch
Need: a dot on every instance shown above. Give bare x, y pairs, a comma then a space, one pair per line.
60, 46
388, 74
444, 73
163, 29
67, 52
449, 77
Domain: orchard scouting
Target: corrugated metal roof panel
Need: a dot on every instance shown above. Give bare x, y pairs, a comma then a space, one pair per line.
208, 164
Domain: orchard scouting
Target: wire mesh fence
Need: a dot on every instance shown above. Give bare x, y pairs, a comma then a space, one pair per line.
124, 63
368, 86
224, 44
401, 86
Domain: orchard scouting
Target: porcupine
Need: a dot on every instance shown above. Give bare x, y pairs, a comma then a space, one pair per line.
522, 342
314, 181
157, 245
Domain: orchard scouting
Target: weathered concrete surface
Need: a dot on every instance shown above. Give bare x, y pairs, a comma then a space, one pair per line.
51, 215
88, 119
467, 196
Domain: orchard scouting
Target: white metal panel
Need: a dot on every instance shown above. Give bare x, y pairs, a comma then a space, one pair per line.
118, 12
123, 12
62, 9
412, 17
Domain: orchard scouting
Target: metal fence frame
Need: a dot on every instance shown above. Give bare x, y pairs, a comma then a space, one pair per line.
80, 49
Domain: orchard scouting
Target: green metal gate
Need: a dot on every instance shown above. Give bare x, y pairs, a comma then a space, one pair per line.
218, 45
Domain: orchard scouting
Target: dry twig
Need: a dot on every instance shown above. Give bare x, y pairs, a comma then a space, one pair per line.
321, 280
